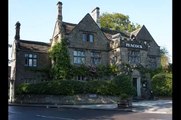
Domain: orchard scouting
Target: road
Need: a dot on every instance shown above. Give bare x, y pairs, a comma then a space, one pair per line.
42, 113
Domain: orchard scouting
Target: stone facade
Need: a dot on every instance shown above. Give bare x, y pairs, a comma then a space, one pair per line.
88, 43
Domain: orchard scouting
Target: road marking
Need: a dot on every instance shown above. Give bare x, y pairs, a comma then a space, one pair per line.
155, 119
52, 117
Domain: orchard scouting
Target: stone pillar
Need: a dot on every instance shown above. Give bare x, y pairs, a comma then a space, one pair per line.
139, 86
11, 91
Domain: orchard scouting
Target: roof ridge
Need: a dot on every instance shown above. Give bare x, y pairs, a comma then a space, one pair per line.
35, 42
69, 23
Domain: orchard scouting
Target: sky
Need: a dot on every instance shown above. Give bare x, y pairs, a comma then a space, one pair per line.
38, 17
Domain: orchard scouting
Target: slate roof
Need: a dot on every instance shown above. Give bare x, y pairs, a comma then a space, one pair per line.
108, 33
68, 27
34, 46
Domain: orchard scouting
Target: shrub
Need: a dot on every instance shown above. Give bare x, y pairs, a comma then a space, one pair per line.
119, 85
22, 89
162, 84
123, 84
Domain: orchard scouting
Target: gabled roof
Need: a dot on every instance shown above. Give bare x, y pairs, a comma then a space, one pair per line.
68, 27
34, 46
143, 33
86, 18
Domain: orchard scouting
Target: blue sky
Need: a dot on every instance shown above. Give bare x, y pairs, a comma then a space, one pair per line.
37, 17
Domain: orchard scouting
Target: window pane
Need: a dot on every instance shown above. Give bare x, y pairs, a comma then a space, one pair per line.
30, 62
79, 53
75, 53
78, 60
83, 54
34, 62
91, 38
84, 37
34, 56
30, 55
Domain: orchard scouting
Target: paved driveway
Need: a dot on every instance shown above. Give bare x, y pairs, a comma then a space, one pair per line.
156, 106
150, 106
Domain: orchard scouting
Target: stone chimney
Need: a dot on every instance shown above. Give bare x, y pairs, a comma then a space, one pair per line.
96, 15
59, 17
17, 35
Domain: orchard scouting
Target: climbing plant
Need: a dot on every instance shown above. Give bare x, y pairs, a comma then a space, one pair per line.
61, 67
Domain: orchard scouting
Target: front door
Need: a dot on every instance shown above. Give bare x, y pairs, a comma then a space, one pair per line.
135, 85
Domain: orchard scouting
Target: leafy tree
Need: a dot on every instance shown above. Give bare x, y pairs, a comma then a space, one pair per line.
162, 84
164, 58
61, 67
169, 68
117, 21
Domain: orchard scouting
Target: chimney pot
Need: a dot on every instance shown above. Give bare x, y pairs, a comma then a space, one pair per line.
17, 35
59, 17
96, 15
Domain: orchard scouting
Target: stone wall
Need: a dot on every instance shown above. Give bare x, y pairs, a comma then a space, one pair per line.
76, 99
34, 74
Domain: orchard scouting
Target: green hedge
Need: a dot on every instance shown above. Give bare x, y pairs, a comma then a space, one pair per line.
162, 84
117, 86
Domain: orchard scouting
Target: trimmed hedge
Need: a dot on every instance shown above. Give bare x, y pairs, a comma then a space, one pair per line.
162, 84
117, 86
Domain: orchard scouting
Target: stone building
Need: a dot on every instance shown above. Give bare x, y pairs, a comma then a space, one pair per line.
89, 44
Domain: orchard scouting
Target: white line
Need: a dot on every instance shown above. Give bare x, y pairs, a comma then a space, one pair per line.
52, 117
156, 119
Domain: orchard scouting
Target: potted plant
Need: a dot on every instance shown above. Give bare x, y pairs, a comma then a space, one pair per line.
124, 101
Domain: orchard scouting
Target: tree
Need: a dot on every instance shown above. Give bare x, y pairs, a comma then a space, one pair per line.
162, 84
61, 67
164, 58
117, 21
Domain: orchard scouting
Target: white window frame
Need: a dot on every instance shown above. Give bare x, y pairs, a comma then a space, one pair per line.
79, 57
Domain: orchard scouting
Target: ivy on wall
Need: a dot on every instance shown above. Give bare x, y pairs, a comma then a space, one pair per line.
61, 67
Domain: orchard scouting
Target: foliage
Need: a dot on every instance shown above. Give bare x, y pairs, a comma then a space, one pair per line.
124, 96
117, 21
156, 71
126, 69
94, 72
162, 84
164, 58
169, 69
61, 68
63, 87
119, 85
22, 88
123, 84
